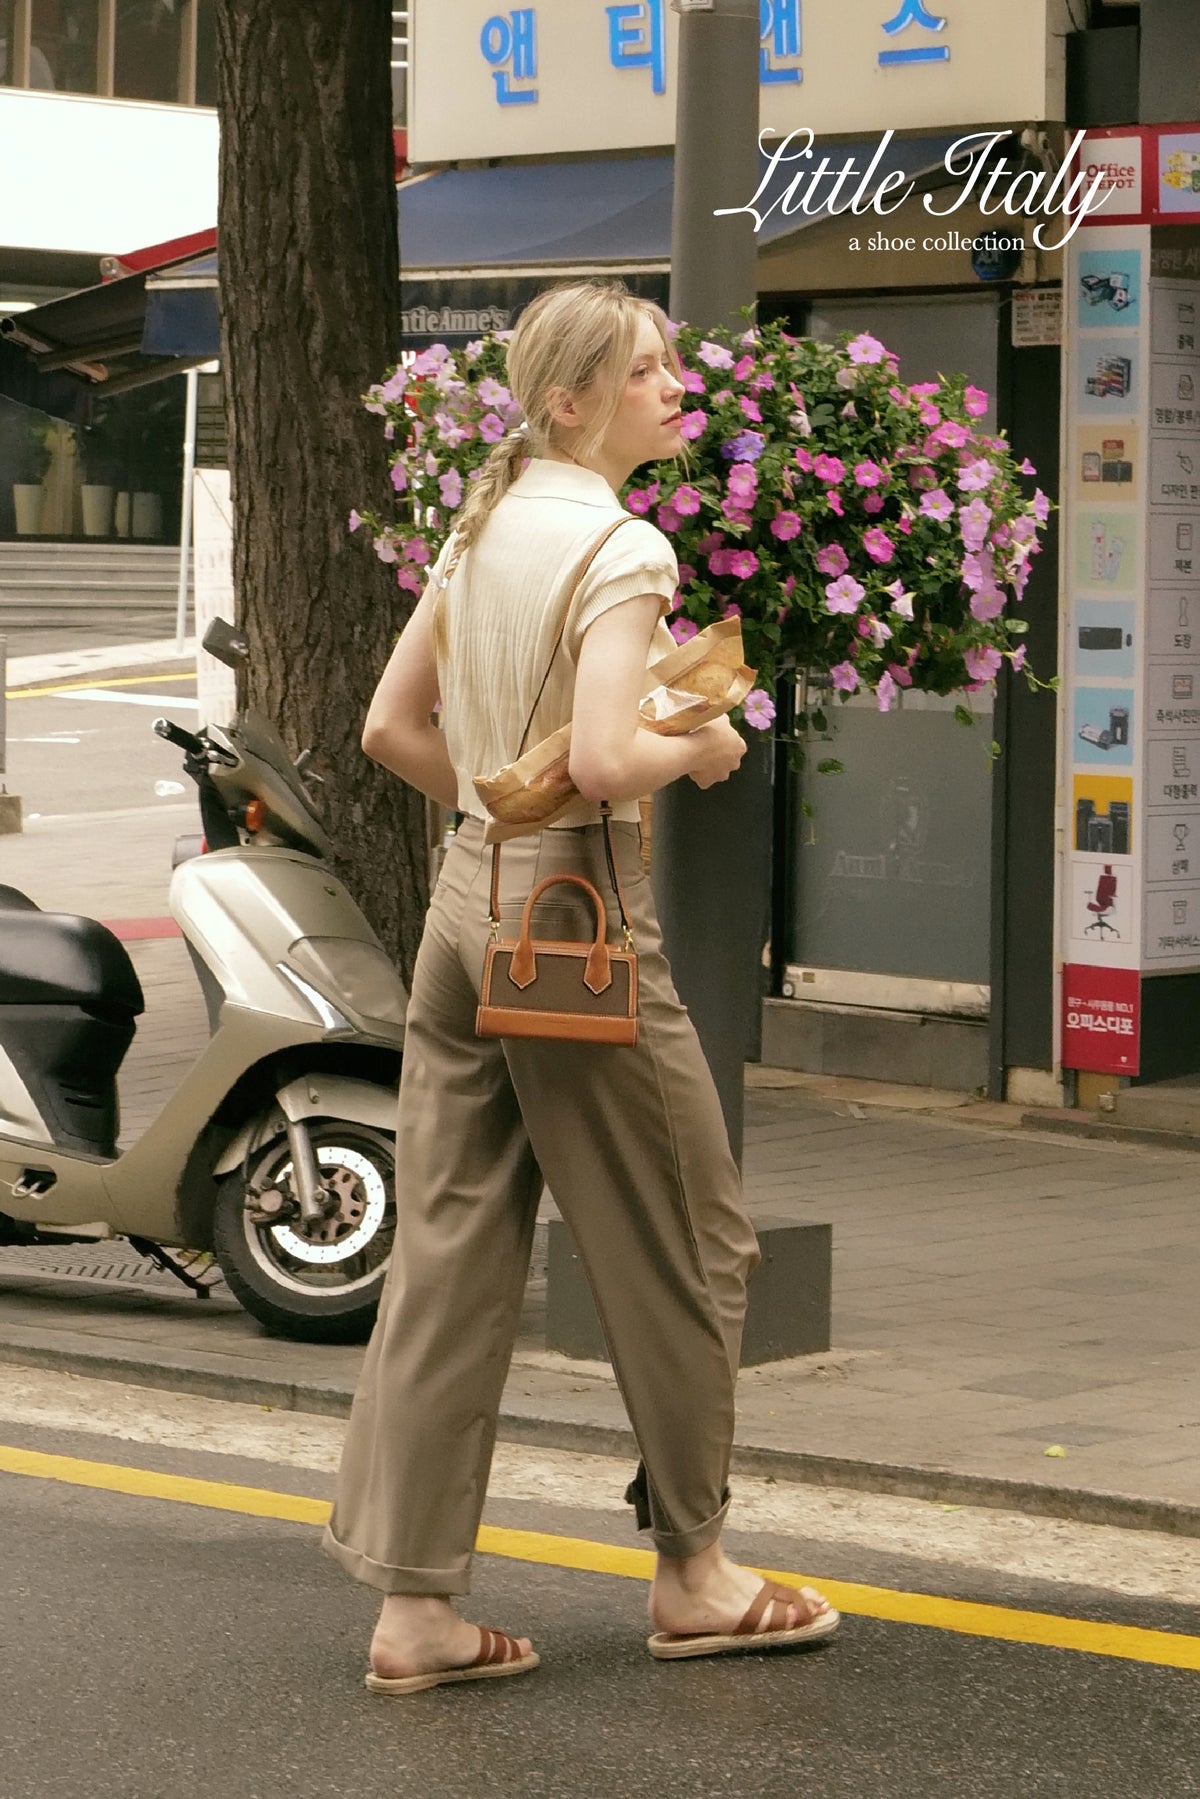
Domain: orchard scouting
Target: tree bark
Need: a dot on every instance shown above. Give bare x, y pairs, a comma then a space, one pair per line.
310, 316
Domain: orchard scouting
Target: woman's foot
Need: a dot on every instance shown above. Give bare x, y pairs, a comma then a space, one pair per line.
419, 1634
707, 1593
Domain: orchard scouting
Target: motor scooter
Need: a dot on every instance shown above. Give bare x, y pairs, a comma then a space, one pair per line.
277, 1151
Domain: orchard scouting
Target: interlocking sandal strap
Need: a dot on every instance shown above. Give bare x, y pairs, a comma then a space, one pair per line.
768, 1610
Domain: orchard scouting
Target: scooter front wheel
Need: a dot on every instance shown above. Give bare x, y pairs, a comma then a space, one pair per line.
314, 1283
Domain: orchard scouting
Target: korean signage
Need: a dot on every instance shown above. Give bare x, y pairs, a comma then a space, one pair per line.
494, 78
1131, 714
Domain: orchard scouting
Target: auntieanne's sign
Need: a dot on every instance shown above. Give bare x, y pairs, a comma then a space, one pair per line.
551, 77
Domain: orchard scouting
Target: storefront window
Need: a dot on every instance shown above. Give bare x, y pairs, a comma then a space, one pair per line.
8, 10
63, 49
146, 65
206, 53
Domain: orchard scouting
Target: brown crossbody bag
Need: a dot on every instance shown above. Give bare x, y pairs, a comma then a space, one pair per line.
570, 990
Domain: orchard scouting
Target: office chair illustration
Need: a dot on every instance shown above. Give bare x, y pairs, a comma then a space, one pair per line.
1102, 903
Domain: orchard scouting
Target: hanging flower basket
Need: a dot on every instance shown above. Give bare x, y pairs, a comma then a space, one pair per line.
870, 534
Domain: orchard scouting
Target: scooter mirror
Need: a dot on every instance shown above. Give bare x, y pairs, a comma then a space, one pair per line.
226, 643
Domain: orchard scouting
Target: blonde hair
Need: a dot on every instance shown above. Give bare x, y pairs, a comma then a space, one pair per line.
569, 338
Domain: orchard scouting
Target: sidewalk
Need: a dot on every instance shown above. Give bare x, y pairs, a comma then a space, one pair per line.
997, 1292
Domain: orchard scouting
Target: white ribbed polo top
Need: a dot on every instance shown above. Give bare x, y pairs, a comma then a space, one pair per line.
502, 608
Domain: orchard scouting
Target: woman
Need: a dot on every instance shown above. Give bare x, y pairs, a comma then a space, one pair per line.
631, 1142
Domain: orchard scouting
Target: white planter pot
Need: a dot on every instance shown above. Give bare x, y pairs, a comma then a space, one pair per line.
147, 515
122, 514
97, 509
27, 505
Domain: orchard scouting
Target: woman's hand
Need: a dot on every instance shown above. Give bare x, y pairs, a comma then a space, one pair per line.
719, 749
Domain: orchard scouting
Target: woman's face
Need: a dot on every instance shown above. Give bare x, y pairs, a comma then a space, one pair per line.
646, 425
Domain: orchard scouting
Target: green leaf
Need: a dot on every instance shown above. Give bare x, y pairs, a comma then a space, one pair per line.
964, 715
830, 766
819, 721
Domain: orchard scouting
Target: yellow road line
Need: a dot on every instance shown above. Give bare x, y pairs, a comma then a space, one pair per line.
37, 693
962, 1617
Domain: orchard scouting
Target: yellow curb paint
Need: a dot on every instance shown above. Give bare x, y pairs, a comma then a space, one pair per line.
961, 1617
37, 693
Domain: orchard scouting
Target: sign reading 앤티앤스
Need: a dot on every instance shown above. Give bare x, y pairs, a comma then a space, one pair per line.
548, 77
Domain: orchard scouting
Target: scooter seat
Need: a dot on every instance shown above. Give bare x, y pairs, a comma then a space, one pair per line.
57, 959
13, 900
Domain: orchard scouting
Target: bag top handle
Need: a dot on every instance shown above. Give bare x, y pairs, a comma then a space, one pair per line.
597, 974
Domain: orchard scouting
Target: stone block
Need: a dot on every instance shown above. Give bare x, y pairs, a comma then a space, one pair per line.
788, 1301
10, 814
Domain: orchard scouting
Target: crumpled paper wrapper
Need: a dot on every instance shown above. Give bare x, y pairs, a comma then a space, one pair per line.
695, 683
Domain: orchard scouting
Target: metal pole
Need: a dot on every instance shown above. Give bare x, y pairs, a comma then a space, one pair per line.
185, 527
3, 711
712, 850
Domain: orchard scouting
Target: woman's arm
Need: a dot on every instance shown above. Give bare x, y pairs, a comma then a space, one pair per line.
399, 732
612, 758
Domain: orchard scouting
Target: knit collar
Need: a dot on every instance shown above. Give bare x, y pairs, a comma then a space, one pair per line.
543, 479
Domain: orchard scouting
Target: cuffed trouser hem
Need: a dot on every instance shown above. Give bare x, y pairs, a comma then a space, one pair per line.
691, 1542
388, 1579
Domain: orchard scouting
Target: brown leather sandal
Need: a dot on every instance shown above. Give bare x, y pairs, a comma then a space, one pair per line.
763, 1626
499, 1654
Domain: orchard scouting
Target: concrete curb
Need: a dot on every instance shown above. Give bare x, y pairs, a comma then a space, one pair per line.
61, 665
1083, 1124
213, 1377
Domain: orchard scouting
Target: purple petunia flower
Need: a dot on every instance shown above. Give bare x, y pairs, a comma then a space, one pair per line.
988, 603
759, 709
1018, 658
492, 392
1041, 507
747, 446
355, 520
885, 691
977, 475
450, 487
973, 522
832, 560
844, 594
844, 676
982, 662
491, 428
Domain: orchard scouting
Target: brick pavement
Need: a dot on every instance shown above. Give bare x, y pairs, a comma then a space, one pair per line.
996, 1291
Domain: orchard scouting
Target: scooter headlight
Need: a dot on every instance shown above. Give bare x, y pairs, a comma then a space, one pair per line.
349, 976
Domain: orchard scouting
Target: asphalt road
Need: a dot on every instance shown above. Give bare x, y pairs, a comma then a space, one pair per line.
150, 1648
90, 748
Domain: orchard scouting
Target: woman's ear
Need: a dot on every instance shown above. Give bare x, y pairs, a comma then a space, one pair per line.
563, 408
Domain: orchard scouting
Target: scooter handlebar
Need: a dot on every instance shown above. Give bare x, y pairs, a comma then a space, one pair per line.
183, 740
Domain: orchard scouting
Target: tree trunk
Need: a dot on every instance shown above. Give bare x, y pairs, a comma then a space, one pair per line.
310, 316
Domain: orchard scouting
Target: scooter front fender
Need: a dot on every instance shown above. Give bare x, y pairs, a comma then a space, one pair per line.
314, 1096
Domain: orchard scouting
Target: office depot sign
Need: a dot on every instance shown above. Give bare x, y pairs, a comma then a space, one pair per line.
1101, 1018
1121, 161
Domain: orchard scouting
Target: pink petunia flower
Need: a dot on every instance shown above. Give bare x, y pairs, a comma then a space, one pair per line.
982, 662
869, 474
450, 486
975, 401
973, 522
803, 459
355, 520
977, 475
828, 468
686, 500
834, 501
408, 578
743, 368
1041, 507
832, 560
1018, 658
693, 381
900, 674
878, 544
731, 611
752, 410
885, 691
759, 709
987, 604
385, 549
1026, 468
937, 504
418, 551
865, 348
715, 355
920, 390
638, 500
872, 502
743, 564
928, 414
668, 518
844, 594
492, 392
844, 676
785, 526
712, 541
692, 425
491, 429
682, 629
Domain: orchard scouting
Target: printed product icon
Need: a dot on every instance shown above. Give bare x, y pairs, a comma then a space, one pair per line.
1091, 465
1187, 388
1111, 288
1104, 637
1179, 911
1112, 559
1185, 312
1099, 541
1105, 737
1111, 379
1183, 536
1182, 833
1180, 767
1102, 903
1181, 687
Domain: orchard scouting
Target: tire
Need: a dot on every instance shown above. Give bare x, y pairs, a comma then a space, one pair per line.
322, 1291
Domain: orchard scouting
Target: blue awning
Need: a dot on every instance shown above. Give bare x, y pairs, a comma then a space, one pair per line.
182, 318
609, 210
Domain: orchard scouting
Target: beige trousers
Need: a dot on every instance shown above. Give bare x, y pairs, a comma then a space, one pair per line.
631, 1143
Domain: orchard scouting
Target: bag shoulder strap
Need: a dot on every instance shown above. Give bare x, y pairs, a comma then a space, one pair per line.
581, 569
